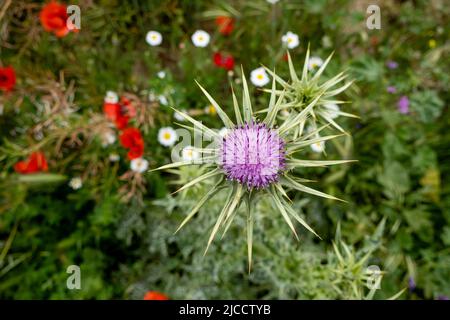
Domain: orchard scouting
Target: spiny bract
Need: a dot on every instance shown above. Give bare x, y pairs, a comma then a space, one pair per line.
257, 158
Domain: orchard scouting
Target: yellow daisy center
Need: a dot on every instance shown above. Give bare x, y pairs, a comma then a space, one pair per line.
260, 76
166, 136
432, 43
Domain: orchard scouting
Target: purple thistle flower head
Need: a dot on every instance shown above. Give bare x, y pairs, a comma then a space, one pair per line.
392, 64
252, 154
403, 105
391, 89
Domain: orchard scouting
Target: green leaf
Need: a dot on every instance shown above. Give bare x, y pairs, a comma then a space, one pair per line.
237, 112
278, 204
316, 163
286, 180
322, 68
246, 103
305, 67
283, 83
208, 132
37, 178
182, 163
289, 124
294, 147
250, 222
200, 203
292, 69
203, 177
230, 205
223, 116
300, 220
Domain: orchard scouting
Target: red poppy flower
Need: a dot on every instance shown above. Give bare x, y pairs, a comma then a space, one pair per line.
119, 113
36, 162
225, 24
154, 295
223, 61
111, 110
131, 139
7, 78
285, 57
121, 122
127, 107
54, 18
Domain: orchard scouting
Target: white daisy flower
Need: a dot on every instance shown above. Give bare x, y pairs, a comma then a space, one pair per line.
178, 115
332, 110
314, 62
290, 39
200, 38
161, 74
114, 157
111, 97
223, 132
163, 100
108, 138
259, 77
210, 110
318, 146
76, 183
167, 136
272, 1
153, 38
139, 165
189, 154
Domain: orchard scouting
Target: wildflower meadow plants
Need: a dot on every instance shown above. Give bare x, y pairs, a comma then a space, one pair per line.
259, 155
86, 116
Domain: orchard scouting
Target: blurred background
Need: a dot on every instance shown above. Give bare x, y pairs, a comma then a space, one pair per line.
70, 196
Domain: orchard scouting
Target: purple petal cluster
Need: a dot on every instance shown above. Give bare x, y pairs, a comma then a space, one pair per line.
253, 155
392, 64
403, 105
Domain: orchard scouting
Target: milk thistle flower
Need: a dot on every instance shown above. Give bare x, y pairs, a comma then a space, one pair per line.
302, 90
256, 158
223, 132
